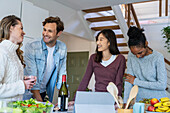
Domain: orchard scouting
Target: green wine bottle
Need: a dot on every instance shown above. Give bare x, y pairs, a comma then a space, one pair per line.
63, 96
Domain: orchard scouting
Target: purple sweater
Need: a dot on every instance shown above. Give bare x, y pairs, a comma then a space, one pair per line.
103, 75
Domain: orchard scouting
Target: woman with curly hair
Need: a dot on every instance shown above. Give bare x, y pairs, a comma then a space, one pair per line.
145, 68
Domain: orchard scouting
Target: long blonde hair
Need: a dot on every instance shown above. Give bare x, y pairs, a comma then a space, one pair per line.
5, 25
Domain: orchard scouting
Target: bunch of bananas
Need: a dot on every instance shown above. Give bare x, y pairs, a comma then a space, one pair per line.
163, 105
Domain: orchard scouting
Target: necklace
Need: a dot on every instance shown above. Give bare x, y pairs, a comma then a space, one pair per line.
106, 58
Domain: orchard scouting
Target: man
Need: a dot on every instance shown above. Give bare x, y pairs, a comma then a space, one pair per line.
46, 59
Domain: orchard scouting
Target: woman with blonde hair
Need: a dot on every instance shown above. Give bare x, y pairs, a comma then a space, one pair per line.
12, 85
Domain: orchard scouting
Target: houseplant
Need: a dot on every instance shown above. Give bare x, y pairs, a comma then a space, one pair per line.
166, 35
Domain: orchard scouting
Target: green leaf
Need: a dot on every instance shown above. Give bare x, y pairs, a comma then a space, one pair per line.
166, 34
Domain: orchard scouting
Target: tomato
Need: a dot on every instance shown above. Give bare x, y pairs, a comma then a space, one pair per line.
29, 105
37, 105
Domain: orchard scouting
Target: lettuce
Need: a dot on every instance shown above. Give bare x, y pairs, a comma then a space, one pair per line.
32, 106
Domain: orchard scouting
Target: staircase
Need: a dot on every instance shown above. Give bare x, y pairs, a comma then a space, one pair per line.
98, 19
104, 18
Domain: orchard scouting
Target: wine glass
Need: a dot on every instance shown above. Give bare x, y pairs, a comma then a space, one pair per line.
27, 95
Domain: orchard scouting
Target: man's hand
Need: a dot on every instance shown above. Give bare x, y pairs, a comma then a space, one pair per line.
130, 78
36, 95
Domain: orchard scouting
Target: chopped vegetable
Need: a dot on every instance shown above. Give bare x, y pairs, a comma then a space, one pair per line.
32, 106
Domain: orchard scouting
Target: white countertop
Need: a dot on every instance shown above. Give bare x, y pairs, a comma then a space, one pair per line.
63, 112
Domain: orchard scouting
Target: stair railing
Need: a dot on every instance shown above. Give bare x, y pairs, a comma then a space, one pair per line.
130, 11
160, 7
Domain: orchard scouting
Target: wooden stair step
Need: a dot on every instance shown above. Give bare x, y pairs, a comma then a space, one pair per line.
105, 27
124, 52
97, 9
99, 19
167, 61
119, 36
122, 44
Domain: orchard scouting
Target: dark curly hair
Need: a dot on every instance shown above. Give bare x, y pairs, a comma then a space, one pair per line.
136, 37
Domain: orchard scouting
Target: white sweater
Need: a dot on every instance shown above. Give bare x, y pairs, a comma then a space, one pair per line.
11, 72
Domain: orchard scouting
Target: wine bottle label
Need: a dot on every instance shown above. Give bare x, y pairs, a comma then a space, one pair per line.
63, 103
59, 102
66, 103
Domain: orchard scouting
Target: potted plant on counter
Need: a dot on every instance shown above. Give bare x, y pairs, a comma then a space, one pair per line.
166, 35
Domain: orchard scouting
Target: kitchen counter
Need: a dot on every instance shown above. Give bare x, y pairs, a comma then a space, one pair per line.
63, 112
70, 110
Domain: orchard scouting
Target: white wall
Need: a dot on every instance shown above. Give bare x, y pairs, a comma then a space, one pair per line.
32, 18
31, 15
154, 36
77, 44
10, 7
72, 19
149, 9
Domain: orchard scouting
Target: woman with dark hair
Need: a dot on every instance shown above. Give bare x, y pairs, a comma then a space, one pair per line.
145, 68
12, 85
107, 64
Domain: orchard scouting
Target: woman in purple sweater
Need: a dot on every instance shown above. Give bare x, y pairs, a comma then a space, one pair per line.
107, 64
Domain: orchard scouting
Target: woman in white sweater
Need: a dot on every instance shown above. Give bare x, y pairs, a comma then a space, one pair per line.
12, 85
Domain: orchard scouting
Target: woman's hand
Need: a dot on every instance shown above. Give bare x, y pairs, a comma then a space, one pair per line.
130, 78
28, 84
29, 81
33, 78
71, 103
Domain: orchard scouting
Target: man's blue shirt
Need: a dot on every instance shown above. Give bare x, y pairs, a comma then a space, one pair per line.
35, 57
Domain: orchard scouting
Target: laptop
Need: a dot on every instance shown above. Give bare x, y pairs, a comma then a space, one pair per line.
94, 102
